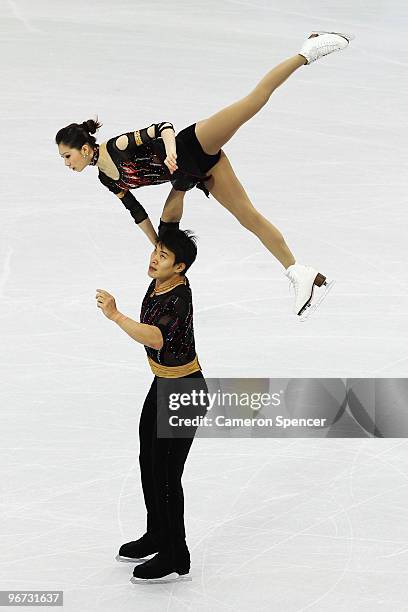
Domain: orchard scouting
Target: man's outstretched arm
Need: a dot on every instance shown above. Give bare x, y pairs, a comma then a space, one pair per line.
173, 207
148, 335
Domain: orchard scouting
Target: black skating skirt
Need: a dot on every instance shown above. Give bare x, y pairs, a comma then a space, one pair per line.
192, 149
193, 163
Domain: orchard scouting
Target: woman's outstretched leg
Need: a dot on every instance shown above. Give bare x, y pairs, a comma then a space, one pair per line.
215, 131
225, 187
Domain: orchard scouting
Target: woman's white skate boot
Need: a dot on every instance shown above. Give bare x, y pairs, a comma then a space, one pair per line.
320, 44
304, 280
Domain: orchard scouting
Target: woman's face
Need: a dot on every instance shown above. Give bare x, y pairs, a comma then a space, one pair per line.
75, 159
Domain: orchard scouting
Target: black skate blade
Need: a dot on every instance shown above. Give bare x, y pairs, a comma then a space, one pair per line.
173, 577
131, 559
347, 36
313, 305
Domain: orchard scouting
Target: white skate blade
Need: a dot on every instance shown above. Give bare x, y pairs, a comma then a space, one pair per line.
346, 36
173, 577
314, 304
131, 559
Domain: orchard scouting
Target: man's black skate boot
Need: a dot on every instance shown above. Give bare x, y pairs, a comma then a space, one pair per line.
182, 558
162, 568
138, 549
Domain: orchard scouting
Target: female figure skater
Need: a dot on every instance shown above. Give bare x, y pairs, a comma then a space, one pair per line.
153, 155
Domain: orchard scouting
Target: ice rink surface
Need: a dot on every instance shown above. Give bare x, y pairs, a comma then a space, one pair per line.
272, 524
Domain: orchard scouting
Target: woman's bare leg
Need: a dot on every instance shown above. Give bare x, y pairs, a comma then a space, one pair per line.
225, 187
216, 130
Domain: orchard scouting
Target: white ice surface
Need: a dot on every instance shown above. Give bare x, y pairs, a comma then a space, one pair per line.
287, 525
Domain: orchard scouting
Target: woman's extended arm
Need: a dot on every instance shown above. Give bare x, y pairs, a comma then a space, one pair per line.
139, 214
171, 153
169, 138
165, 131
147, 227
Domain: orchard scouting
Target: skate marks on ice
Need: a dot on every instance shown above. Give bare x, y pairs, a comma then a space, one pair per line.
17, 13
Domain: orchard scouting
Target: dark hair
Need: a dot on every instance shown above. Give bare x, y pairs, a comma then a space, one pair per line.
75, 135
182, 243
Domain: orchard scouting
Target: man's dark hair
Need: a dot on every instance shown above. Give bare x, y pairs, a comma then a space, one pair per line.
182, 243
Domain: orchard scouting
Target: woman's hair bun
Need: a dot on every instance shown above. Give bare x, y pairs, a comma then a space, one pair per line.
75, 135
91, 125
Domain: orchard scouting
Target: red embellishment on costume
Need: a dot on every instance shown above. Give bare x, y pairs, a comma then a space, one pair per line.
136, 175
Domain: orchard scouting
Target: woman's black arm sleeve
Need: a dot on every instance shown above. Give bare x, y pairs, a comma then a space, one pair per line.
129, 201
134, 207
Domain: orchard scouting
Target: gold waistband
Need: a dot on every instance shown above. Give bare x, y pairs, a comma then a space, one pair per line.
174, 371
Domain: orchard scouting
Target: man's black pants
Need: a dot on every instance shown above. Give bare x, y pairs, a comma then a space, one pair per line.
162, 462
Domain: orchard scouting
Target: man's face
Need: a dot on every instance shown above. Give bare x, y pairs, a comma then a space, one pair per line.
162, 266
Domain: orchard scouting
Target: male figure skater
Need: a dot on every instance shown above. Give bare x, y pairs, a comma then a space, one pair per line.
166, 331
